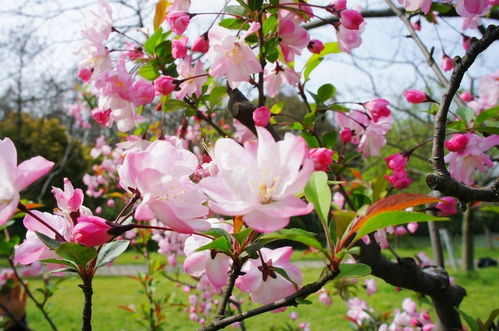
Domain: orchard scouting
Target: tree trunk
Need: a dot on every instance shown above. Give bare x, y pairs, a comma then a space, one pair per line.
467, 238
436, 244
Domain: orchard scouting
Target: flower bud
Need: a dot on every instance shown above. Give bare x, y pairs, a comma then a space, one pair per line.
416, 96
457, 143
315, 46
85, 74
351, 19
466, 96
202, 44
447, 206
322, 158
101, 116
179, 47
447, 63
178, 21
91, 231
164, 85
378, 108
346, 135
261, 116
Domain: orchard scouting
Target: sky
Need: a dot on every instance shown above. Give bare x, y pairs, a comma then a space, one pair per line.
385, 64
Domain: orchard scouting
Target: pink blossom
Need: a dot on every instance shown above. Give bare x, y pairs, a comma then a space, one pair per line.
447, 206
134, 51
115, 83
416, 25
373, 138
179, 5
242, 134
32, 248
378, 108
202, 44
351, 19
190, 86
179, 47
161, 174
294, 38
346, 135
415, 96
231, 57
412, 227
396, 162
260, 180
101, 116
32, 270
142, 92
413, 5
122, 112
462, 164
263, 283
370, 285
15, 178
322, 158
399, 180
261, 116
178, 21
275, 78
349, 39
325, 298
315, 46
339, 4
215, 266
447, 63
457, 143
468, 8
164, 85
85, 74
357, 310
91, 231
339, 200
466, 42
466, 96
69, 200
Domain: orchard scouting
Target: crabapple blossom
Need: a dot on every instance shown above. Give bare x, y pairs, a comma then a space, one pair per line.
178, 21
416, 96
463, 164
91, 231
263, 282
216, 266
447, 63
293, 37
457, 143
357, 310
261, 116
351, 19
370, 285
85, 74
101, 116
164, 85
378, 108
69, 200
260, 180
325, 298
322, 158
190, 86
338, 200
396, 162
346, 135
339, 4
230, 56
447, 206
416, 25
134, 51
413, 5
15, 178
202, 44
468, 8
399, 179
315, 46
349, 39
466, 96
179, 47
142, 92
277, 76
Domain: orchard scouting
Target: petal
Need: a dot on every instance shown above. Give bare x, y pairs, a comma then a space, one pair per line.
31, 170
195, 264
263, 222
217, 270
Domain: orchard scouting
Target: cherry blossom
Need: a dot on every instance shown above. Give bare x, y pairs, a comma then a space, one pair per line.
69, 200
279, 75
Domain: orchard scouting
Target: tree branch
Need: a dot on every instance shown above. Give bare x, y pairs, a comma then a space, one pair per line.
440, 179
431, 281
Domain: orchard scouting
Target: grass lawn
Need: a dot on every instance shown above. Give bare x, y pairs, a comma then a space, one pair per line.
113, 291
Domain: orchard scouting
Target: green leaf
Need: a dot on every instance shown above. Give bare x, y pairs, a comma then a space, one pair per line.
310, 66
471, 321
271, 49
174, 104
456, 126
49, 242
466, 114
380, 185
164, 52
489, 129
148, 71
338, 108
216, 95
219, 244
241, 235
492, 113
354, 270
7, 247
329, 139
392, 218
255, 4
270, 24
79, 254
6, 225
317, 191
232, 23
65, 262
341, 219
325, 92
298, 235
236, 10
277, 107
154, 40
311, 140
110, 251
440, 7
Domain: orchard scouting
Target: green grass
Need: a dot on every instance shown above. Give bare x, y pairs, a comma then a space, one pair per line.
113, 291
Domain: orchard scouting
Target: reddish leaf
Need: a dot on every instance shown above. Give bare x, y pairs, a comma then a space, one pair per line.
159, 15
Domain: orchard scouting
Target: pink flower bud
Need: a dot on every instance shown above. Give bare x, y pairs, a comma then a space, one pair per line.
396, 162
315, 46
447, 63
293, 315
466, 42
399, 180
415, 96
346, 135
457, 143
324, 298
91, 231
178, 21
412, 227
133, 52
416, 25
85, 74
164, 85
378, 108
98, 210
447, 206
261, 116
110, 203
339, 4
142, 92
101, 116
202, 44
466, 96
322, 158
179, 47
351, 19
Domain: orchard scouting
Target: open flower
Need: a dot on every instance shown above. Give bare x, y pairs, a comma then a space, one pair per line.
15, 178
260, 181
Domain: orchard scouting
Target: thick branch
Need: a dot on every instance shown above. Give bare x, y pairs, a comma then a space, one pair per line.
288, 301
380, 13
431, 281
441, 180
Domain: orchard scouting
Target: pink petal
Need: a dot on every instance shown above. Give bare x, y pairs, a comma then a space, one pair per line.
217, 270
264, 223
31, 170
